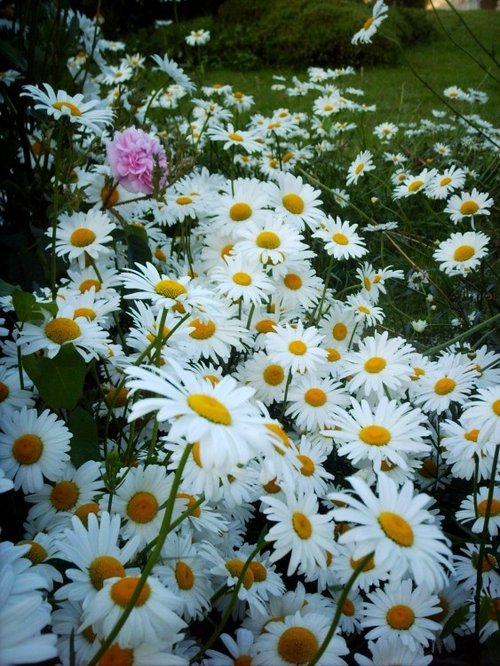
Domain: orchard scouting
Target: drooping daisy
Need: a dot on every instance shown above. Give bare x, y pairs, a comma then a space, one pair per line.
294, 201
468, 204
153, 619
83, 234
370, 26
397, 527
89, 115
221, 416
361, 165
461, 252
296, 348
378, 365
381, 435
32, 447
301, 531
295, 640
173, 70
94, 552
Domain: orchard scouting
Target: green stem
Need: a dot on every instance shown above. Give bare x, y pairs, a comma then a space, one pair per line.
464, 335
164, 529
340, 604
287, 386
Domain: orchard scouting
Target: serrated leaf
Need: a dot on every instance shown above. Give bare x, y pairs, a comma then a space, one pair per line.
84, 443
137, 245
59, 380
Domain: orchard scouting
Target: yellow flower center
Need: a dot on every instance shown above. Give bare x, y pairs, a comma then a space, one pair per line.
472, 435
226, 250
36, 553
27, 449
415, 185
348, 608
4, 391
191, 500
417, 372
400, 617
340, 239
183, 201
121, 592
469, 207
368, 22
301, 525
367, 283
239, 212
488, 562
368, 566
359, 168
243, 279
62, 329
445, 181
209, 408
160, 255
327, 107
117, 397
496, 407
464, 253
202, 329
315, 397
265, 326
444, 386
86, 285
297, 347
375, 435
235, 567
396, 528
287, 156
184, 576
74, 110
363, 309
88, 313
333, 354
84, 510
271, 487
428, 469
297, 645
82, 237
268, 240
445, 607
482, 508
64, 495
375, 364
234, 136
339, 331
292, 281
117, 656
142, 507
279, 432
307, 465
293, 203
103, 567
170, 289
273, 375
259, 571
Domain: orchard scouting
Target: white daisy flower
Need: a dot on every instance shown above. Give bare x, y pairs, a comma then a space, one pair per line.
341, 238
483, 411
385, 131
249, 140
267, 378
380, 12
313, 402
466, 566
294, 201
241, 650
365, 312
444, 183
301, 531
198, 37
413, 184
296, 348
242, 278
468, 204
171, 68
361, 165
32, 447
245, 202
83, 234
397, 527
390, 651
478, 509
12, 396
295, 639
450, 380
461, 252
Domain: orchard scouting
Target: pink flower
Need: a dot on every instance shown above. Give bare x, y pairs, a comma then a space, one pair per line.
134, 157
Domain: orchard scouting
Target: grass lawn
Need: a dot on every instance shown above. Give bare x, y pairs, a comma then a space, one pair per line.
397, 92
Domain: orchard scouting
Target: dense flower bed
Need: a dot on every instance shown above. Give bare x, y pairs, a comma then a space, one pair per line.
241, 434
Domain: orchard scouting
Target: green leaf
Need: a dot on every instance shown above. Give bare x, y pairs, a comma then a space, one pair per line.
454, 621
6, 289
59, 380
84, 443
137, 244
24, 304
